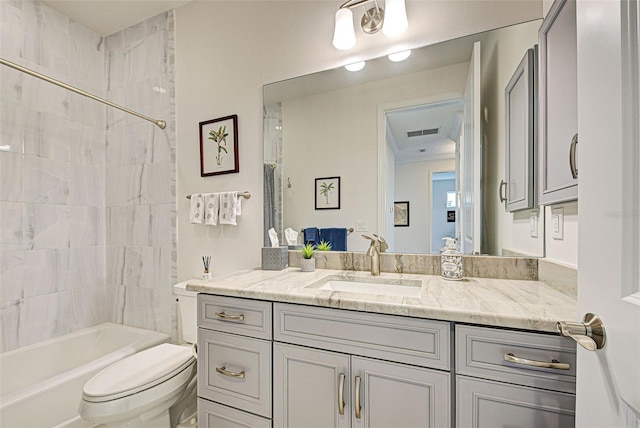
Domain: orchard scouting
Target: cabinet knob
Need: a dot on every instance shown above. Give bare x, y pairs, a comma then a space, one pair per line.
589, 333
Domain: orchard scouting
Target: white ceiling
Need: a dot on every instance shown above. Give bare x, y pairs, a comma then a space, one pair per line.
106, 17
444, 116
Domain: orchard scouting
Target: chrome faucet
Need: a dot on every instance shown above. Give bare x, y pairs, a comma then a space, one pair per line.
378, 245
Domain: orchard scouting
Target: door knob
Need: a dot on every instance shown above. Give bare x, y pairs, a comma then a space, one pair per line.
589, 333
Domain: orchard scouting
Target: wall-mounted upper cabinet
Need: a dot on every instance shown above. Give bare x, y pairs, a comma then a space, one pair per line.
558, 114
520, 137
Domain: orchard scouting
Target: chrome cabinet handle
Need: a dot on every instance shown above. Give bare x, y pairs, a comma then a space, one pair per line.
589, 333
222, 370
230, 317
341, 394
554, 364
572, 156
357, 405
503, 185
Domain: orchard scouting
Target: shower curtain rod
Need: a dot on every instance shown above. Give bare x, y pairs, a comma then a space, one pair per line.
160, 123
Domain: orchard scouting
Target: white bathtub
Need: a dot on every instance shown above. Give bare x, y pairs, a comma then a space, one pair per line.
41, 384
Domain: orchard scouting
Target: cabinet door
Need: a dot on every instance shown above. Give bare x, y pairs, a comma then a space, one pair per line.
308, 387
399, 396
520, 95
558, 104
483, 403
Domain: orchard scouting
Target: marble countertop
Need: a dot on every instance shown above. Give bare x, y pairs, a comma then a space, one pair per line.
529, 305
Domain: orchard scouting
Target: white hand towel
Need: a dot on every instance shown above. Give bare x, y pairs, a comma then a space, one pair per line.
239, 205
228, 204
196, 210
211, 208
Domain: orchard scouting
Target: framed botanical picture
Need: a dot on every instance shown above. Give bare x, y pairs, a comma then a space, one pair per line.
219, 146
328, 193
401, 214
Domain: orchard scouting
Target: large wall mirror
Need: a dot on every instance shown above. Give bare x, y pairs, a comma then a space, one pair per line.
418, 147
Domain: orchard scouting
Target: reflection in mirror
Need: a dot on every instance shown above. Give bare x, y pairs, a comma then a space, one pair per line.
402, 131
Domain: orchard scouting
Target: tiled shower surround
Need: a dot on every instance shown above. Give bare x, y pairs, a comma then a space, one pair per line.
87, 193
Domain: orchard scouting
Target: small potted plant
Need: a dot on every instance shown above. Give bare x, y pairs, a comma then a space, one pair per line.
323, 246
307, 263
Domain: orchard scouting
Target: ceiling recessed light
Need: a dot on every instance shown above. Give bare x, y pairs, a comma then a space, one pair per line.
399, 56
356, 66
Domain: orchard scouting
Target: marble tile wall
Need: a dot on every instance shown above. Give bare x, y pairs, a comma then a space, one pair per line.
52, 177
87, 194
140, 176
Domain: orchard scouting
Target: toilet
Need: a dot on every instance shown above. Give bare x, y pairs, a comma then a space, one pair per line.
152, 388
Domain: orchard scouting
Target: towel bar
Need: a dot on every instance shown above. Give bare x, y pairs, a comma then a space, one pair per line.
245, 195
349, 230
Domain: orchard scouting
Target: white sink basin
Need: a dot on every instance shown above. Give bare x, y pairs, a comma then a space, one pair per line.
361, 285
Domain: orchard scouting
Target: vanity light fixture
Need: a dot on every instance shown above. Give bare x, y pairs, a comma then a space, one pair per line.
392, 22
399, 56
356, 66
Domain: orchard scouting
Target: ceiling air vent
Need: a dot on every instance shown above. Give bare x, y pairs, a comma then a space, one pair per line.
422, 132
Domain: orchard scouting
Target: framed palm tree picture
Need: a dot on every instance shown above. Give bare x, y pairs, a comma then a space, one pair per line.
219, 146
328, 193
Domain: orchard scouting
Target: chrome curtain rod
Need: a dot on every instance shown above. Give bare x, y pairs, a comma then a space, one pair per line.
160, 123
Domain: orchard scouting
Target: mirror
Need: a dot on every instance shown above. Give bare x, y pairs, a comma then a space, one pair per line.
418, 147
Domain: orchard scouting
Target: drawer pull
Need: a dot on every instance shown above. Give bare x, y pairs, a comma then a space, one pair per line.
230, 317
357, 406
222, 370
341, 394
554, 364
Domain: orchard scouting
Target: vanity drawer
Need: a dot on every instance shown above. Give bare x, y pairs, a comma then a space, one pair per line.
481, 352
211, 415
395, 338
234, 315
235, 371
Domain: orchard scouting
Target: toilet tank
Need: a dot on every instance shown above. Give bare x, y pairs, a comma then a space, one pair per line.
188, 304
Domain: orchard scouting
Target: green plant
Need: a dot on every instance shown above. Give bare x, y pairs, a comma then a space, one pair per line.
323, 246
325, 190
219, 137
307, 251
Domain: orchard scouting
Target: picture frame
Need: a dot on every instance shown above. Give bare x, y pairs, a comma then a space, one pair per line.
219, 146
327, 193
401, 214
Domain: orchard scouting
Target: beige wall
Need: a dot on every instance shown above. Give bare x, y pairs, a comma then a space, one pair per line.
226, 51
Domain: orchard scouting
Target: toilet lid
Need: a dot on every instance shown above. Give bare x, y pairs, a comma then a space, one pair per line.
138, 371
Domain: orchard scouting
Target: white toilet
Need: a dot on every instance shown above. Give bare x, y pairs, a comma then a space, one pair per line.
152, 388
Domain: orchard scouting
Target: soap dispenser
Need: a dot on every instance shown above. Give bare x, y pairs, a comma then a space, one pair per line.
451, 261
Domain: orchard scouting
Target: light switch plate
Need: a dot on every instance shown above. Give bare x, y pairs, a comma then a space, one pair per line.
361, 225
557, 223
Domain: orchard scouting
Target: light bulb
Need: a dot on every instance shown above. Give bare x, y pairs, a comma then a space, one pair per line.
356, 66
399, 56
395, 18
344, 36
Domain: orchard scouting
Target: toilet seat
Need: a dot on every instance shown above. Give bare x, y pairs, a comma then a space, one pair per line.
138, 372
142, 385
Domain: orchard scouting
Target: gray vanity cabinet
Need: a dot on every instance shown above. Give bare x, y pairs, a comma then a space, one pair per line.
558, 118
500, 381
234, 362
520, 136
331, 387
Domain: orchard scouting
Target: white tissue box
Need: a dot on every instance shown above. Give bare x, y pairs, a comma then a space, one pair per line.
275, 258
